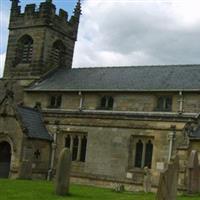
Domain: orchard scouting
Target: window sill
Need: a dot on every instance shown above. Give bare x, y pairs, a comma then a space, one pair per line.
53, 107
103, 108
136, 170
162, 110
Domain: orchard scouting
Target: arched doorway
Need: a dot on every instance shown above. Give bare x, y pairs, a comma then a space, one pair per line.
5, 158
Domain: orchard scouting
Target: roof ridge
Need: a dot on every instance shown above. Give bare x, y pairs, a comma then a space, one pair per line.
137, 66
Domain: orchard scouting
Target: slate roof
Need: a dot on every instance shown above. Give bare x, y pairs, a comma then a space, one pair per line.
136, 78
32, 121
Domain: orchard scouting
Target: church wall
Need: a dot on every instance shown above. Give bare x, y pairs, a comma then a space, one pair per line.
192, 102
139, 102
109, 144
38, 152
31, 100
11, 132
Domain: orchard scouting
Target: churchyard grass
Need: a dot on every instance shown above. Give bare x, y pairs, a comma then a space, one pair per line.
43, 190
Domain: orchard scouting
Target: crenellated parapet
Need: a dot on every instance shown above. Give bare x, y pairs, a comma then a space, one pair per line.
45, 15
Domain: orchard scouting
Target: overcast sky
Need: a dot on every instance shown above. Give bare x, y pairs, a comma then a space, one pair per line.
130, 32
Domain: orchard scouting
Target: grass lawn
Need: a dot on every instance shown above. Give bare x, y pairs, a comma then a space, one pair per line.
42, 190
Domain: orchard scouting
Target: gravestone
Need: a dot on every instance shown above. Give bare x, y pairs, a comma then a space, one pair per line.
62, 181
25, 170
147, 180
193, 173
167, 188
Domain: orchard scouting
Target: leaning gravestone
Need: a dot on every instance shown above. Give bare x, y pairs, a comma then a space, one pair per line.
193, 173
167, 189
62, 181
147, 180
25, 170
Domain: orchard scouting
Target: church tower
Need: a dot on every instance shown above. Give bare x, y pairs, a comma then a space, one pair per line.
40, 40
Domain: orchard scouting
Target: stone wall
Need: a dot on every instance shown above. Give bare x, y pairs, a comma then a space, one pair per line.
138, 102
108, 147
192, 102
38, 152
11, 132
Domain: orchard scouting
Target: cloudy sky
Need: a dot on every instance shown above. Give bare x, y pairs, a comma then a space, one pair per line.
130, 32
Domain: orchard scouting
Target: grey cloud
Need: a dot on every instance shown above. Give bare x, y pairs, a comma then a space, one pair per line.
138, 33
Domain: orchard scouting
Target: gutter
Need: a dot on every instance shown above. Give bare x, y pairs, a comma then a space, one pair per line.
110, 90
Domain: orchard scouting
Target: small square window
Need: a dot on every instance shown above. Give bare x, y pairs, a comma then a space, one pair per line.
164, 103
55, 101
107, 102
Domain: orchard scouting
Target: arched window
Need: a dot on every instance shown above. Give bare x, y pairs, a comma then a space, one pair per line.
107, 102
55, 101
75, 148
103, 102
58, 53
5, 159
25, 49
68, 141
138, 154
143, 148
148, 154
110, 102
83, 148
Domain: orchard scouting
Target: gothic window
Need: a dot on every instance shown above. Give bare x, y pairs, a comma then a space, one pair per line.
55, 101
138, 154
25, 49
77, 143
67, 141
141, 152
164, 103
58, 53
148, 154
83, 148
75, 148
107, 102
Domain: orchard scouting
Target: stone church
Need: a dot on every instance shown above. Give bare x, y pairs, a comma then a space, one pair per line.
115, 120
